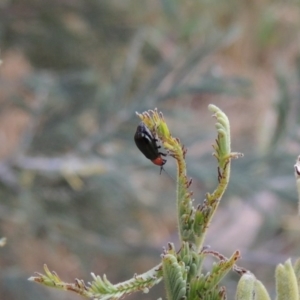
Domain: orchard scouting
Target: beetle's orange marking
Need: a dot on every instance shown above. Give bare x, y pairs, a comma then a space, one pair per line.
159, 161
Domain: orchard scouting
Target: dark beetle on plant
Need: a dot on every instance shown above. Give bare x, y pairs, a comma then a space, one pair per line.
147, 144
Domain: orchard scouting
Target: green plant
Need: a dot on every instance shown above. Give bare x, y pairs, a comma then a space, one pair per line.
181, 270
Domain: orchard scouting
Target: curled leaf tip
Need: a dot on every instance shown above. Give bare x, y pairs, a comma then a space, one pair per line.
236, 155
212, 108
32, 278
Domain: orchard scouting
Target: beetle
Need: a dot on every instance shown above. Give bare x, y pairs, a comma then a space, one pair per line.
147, 144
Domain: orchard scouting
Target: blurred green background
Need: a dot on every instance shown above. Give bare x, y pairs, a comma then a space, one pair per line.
75, 191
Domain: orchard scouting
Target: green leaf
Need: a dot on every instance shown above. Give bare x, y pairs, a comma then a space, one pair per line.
286, 282
245, 287
175, 276
297, 273
260, 291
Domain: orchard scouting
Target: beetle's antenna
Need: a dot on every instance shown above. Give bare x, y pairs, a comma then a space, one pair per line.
163, 169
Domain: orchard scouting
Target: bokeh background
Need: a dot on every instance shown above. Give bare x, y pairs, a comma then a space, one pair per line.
75, 191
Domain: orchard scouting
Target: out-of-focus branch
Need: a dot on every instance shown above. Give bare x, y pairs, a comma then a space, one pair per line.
42, 96
7, 174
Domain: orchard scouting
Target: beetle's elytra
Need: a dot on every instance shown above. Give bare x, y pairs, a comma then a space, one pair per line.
147, 144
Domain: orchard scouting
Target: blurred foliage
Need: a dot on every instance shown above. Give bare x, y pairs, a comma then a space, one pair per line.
73, 75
